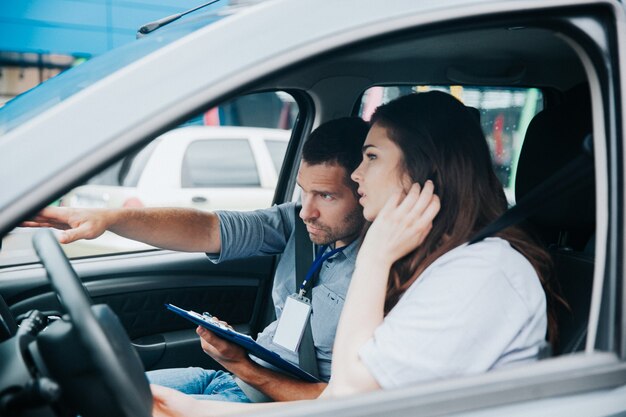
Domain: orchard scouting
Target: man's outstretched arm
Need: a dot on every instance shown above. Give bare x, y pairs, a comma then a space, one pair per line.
169, 228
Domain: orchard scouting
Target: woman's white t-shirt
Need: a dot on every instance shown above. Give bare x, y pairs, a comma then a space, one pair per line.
476, 308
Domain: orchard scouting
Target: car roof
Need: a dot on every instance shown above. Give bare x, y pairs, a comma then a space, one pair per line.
91, 127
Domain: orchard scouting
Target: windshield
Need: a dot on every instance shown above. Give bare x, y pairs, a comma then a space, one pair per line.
33, 102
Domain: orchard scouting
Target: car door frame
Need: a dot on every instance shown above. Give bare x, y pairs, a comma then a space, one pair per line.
585, 372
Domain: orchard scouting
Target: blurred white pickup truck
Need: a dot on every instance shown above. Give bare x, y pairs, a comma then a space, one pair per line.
202, 167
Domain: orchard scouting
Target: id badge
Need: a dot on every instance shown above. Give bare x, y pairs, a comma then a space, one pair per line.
292, 322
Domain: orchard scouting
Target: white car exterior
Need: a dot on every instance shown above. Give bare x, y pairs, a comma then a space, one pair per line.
178, 170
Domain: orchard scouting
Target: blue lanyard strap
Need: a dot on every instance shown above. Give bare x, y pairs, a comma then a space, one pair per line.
317, 264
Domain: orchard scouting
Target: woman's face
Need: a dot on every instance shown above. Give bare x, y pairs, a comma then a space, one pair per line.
381, 173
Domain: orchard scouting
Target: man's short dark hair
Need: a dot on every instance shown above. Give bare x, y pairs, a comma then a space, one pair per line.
338, 142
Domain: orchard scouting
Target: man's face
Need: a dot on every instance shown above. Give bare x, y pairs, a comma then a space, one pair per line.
330, 209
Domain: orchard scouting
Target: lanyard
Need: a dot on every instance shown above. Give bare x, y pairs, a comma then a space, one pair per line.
317, 264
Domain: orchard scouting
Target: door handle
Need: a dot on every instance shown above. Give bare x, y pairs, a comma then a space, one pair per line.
150, 349
199, 199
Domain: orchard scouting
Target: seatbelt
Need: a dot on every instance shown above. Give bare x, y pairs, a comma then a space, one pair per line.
566, 180
307, 357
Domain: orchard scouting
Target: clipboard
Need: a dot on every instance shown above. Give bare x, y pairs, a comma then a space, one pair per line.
246, 342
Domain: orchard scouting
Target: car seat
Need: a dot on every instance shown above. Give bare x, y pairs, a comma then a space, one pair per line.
566, 225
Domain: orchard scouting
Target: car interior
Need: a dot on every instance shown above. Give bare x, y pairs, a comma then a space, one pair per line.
524, 52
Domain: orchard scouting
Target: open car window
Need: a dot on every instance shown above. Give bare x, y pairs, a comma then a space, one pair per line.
229, 157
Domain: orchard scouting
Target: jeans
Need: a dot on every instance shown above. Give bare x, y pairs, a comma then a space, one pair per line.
202, 384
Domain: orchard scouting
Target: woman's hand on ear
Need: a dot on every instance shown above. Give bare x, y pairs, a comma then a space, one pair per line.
402, 224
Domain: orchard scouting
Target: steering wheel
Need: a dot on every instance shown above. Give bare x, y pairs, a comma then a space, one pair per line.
99, 331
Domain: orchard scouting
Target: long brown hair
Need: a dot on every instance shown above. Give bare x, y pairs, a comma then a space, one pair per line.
441, 140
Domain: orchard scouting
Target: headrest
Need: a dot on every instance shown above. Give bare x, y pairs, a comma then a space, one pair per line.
474, 112
553, 139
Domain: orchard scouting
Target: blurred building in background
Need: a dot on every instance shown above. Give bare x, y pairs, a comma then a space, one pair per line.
40, 38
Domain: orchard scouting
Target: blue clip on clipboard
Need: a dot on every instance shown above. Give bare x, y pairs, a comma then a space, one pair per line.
245, 342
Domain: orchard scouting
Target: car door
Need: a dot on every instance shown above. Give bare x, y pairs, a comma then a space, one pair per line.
136, 280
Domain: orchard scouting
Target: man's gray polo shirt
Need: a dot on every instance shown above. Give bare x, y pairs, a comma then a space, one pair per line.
271, 232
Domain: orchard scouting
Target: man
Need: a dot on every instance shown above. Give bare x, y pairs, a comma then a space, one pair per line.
333, 217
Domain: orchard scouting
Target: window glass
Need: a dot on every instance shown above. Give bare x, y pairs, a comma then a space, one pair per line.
202, 164
72, 81
277, 151
504, 116
219, 163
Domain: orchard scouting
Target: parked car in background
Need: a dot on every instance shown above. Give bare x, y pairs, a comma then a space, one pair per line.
202, 167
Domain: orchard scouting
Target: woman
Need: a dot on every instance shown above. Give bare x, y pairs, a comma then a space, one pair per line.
422, 303
436, 307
